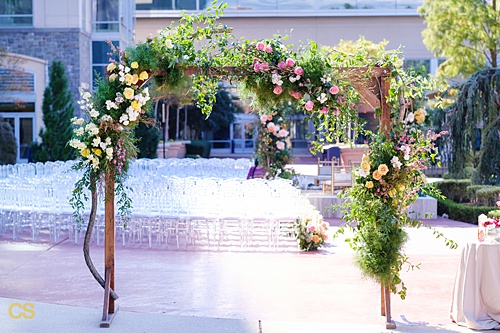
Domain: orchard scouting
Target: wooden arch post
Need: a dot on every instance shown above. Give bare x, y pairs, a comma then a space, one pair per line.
109, 249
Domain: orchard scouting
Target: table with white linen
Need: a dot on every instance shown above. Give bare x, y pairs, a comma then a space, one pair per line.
476, 294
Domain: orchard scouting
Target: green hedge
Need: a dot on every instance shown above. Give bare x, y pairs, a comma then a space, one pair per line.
454, 189
488, 195
461, 212
198, 148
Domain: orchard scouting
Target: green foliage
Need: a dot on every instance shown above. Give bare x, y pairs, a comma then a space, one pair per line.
494, 214
488, 196
198, 148
8, 144
461, 212
147, 140
454, 189
465, 32
477, 106
57, 111
471, 192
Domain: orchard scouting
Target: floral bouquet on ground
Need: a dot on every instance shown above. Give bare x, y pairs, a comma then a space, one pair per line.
488, 227
311, 233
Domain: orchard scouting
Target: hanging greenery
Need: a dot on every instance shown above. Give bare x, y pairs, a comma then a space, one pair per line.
475, 116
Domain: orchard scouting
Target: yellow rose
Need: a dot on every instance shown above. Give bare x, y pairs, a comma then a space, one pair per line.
135, 105
128, 93
400, 187
143, 75
128, 79
365, 166
97, 151
85, 152
369, 184
377, 175
134, 65
383, 169
111, 67
112, 77
392, 192
365, 159
135, 78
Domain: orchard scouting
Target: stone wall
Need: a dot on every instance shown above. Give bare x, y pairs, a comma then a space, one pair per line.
71, 46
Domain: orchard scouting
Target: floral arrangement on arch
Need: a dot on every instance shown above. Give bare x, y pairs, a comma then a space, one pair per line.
311, 233
272, 75
273, 151
104, 140
387, 183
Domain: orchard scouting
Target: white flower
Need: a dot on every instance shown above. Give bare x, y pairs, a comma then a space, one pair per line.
280, 145
410, 118
77, 121
96, 141
322, 98
77, 144
106, 117
109, 153
92, 129
276, 79
103, 145
93, 113
363, 173
406, 150
263, 119
396, 164
325, 80
168, 43
86, 95
127, 69
78, 131
124, 119
132, 114
108, 141
111, 105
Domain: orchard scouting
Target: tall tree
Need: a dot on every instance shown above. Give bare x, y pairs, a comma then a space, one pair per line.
465, 32
57, 111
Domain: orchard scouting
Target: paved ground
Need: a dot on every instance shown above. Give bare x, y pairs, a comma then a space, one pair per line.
231, 291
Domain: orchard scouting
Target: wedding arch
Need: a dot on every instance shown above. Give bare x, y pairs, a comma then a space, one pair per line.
325, 84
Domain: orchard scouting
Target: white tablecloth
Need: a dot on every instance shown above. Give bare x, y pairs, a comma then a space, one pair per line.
476, 294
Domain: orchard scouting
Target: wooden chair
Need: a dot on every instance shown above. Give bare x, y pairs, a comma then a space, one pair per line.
325, 169
341, 177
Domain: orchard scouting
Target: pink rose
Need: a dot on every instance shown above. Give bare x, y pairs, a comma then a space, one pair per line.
309, 105
264, 66
498, 204
277, 90
280, 145
298, 71
290, 62
256, 67
334, 90
336, 112
260, 46
324, 110
263, 118
269, 49
281, 65
312, 228
296, 94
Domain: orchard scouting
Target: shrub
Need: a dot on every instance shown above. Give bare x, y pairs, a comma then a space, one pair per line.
461, 212
454, 189
8, 145
472, 190
494, 214
198, 148
488, 195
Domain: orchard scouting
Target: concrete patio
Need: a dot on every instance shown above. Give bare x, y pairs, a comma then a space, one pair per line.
231, 291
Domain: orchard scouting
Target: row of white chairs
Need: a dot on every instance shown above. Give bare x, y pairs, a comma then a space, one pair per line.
167, 210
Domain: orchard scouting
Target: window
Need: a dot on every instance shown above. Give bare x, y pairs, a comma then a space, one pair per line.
106, 16
418, 65
16, 13
171, 4
21, 117
100, 58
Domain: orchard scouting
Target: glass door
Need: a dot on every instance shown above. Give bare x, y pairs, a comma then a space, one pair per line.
23, 130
